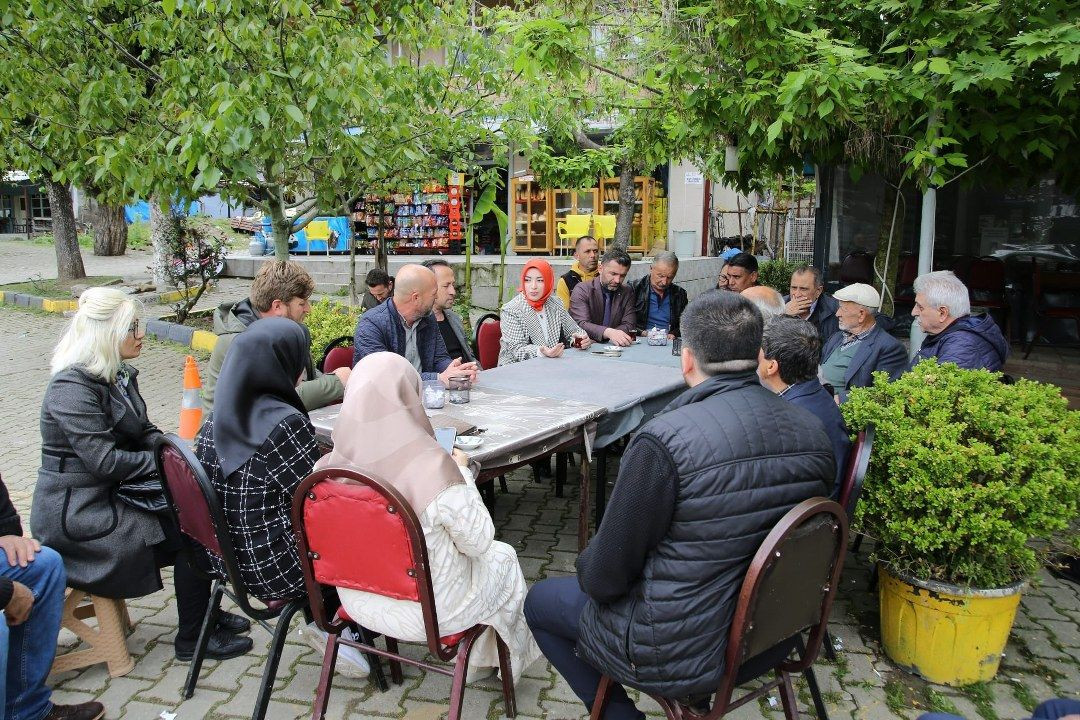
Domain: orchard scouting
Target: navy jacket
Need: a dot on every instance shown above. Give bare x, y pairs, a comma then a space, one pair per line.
811, 396
823, 316
879, 351
972, 342
380, 330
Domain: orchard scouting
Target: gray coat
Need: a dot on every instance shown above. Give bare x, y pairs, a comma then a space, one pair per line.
91, 441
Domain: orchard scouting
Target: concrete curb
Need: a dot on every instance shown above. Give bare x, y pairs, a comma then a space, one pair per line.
61, 306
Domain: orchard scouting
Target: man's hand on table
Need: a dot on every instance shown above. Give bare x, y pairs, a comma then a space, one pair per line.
456, 368
617, 337
552, 352
343, 374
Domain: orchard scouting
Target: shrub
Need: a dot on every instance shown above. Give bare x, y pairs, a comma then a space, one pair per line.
328, 321
966, 473
776, 274
195, 258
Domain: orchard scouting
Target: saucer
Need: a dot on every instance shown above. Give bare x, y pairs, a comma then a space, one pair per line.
468, 442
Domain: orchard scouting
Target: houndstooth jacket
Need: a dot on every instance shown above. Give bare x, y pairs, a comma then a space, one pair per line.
523, 333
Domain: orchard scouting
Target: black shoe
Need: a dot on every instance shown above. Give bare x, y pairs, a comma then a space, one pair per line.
220, 646
232, 623
82, 711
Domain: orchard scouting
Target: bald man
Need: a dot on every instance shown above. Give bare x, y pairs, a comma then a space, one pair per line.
766, 300
405, 325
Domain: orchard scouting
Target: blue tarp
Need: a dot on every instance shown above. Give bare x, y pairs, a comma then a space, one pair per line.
299, 242
140, 211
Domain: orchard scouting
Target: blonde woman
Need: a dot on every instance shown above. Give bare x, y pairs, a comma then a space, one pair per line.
96, 436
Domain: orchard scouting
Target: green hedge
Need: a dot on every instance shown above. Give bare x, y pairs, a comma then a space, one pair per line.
968, 476
329, 320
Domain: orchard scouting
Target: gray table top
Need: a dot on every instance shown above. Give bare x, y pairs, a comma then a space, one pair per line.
642, 352
516, 426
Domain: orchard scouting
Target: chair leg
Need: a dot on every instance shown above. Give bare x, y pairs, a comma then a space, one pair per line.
277, 644
461, 666
827, 642
395, 665
600, 702
857, 544
600, 492
502, 484
326, 678
787, 696
209, 621
815, 693
507, 675
368, 638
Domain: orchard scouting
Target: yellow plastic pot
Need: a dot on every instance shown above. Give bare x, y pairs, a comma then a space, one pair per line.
945, 633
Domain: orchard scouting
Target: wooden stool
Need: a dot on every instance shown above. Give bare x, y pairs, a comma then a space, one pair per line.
107, 641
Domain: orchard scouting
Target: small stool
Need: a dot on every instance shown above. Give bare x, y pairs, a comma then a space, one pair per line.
107, 641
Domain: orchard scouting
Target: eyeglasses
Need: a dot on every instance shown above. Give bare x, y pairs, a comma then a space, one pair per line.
134, 328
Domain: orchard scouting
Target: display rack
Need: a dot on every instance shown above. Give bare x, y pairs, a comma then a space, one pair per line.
643, 189
531, 216
427, 221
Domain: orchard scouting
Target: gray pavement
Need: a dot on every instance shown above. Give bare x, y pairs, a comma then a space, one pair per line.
1040, 662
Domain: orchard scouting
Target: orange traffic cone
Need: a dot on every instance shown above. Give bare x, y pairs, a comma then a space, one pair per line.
191, 405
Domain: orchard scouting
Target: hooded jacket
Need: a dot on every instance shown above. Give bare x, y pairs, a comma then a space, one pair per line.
973, 342
231, 319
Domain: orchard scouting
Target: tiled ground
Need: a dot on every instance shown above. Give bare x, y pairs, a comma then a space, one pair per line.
1041, 660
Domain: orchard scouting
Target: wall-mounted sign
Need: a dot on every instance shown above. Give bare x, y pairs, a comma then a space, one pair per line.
694, 178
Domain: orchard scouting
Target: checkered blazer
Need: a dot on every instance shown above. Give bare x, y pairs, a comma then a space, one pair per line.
523, 333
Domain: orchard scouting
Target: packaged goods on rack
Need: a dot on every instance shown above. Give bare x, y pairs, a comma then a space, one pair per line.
428, 219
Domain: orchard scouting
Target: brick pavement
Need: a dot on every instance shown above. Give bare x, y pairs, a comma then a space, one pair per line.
1041, 659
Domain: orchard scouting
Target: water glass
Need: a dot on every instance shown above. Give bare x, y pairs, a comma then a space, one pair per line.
434, 394
459, 389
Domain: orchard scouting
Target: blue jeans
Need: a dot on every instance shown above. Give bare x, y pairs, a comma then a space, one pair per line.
27, 650
553, 611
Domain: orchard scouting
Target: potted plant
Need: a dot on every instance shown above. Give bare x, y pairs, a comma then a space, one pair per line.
968, 480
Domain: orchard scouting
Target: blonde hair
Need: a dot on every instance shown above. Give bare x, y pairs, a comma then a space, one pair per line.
94, 336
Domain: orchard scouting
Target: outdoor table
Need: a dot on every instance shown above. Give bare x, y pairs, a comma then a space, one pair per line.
517, 429
632, 388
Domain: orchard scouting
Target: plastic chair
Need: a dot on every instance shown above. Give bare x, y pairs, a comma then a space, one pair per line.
201, 519
857, 267
338, 353
488, 337
336, 511
106, 643
788, 589
318, 230
570, 228
603, 228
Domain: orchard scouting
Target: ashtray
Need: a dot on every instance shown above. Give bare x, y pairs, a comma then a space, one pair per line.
468, 442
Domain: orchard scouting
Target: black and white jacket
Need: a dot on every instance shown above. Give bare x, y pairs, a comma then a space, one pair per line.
525, 330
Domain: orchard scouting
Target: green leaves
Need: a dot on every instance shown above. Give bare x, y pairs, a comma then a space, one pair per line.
295, 113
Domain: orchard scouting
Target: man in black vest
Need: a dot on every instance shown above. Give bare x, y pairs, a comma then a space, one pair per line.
586, 266
699, 488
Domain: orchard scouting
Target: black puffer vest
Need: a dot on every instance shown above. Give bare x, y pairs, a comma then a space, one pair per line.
744, 458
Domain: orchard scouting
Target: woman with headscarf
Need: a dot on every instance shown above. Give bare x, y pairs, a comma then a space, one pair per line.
383, 430
98, 500
535, 323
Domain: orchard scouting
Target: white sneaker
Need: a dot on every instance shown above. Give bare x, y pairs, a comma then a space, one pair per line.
351, 662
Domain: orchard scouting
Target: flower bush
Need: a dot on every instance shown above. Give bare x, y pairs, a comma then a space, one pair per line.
330, 320
968, 476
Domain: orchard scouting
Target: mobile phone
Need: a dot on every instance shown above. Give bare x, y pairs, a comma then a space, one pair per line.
446, 436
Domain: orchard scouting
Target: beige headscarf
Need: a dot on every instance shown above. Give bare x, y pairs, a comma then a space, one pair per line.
383, 429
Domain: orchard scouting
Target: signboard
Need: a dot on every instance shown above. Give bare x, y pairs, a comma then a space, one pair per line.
694, 178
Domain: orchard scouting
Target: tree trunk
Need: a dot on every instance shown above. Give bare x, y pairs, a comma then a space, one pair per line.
69, 263
354, 299
163, 228
110, 230
381, 261
282, 227
890, 241
627, 207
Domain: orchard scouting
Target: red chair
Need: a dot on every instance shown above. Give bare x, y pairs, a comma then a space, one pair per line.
986, 288
488, 338
788, 589
1056, 297
337, 354
201, 520
335, 512
857, 267
906, 273
855, 474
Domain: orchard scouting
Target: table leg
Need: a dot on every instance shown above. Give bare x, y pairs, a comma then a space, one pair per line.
560, 473
601, 485
487, 492
583, 510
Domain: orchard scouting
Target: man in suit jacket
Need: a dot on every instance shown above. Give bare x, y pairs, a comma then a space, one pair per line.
404, 325
450, 326
604, 306
787, 365
807, 301
862, 347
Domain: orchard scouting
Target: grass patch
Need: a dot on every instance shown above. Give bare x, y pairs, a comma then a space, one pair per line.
138, 235
56, 289
1023, 695
936, 702
896, 696
86, 240
982, 697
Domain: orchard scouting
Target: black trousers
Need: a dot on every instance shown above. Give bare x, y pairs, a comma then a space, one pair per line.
192, 588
